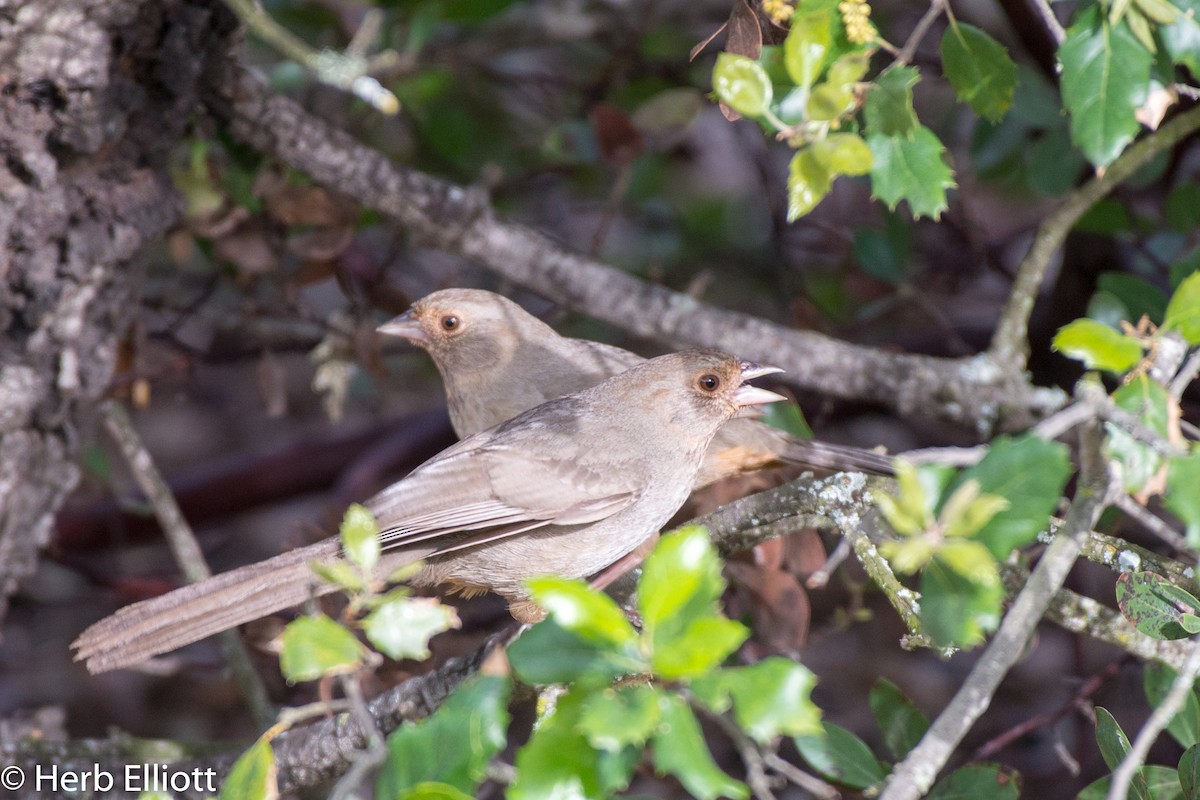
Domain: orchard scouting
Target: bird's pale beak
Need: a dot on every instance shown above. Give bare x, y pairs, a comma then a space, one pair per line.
747, 395
406, 326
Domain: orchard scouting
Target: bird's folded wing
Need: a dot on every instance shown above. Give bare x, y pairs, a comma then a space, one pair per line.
497, 491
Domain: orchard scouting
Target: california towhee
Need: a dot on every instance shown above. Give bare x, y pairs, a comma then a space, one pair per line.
497, 360
566, 488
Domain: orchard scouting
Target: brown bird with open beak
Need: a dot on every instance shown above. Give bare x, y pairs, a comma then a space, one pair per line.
566, 488
497, 360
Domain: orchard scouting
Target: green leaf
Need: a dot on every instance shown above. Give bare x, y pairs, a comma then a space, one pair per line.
911, 168
769, 698
314, 647
340, 573
432, 790
402, 627
1098, 346
1149, 401
696, 650
613, 719
787, 417
967, 509
842, 757
883, 255
360, 536
809, 180
843, 154
454, 745
1181, 40
1105, 77
680, 750
1182, 497
1189, 773
253, 776
1055, 164
1183, 204
558, 762
1154, 604
1030, 473
591, 614
742, 84
806, 48
681, 582
547, 653
960, 595
1185, 726
836, 95
889, 110
976, 782
1162, 783
900, 721
1114, 744
1183, 311
1138, 294
979, 69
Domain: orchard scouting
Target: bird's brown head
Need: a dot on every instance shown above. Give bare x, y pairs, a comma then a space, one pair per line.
464, 329
703, 386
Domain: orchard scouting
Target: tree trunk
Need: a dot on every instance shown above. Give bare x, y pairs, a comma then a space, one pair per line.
94, 97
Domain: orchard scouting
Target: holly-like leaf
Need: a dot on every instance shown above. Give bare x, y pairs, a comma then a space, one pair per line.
900, 721
1028, 472
1181, 39
698, 648
843, 154
612, 719
548, 653
742, 84
314, 647
681, 583
1149, 401
809, 180
976, 782
979, 69
360, 536
558, 762
1182, 497
1139, 295
1183, 310
889, 107
911, 168
960, 594
1105, 79
1157, 680
253, 776
769, 698
402, 627
1155, 605
454, 745
591, 614
680, 750
806, 48
842, 757
1098, 346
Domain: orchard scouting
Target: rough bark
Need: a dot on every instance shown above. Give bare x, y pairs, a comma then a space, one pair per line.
94, 95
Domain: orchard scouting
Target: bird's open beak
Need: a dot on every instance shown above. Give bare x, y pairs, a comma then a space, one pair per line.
747, 395
405, 326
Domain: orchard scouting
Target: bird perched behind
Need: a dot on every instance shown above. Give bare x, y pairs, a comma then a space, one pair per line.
497, 360
566, 488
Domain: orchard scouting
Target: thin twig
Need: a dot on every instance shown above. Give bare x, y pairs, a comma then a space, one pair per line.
752, 757
914, 776
1186, 375
1062, 421
1150, 522
1010, 346
818, 579
1159, 719
367, 759
184, 547
935, 10
950, 456
1043, 9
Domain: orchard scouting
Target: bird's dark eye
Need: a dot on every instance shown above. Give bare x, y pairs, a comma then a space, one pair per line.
450, 322
709, 382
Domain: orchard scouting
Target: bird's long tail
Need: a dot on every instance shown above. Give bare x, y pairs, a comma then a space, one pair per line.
835, 457
188, 614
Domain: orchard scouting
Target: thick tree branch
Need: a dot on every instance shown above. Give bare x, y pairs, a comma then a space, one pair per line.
443, 216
